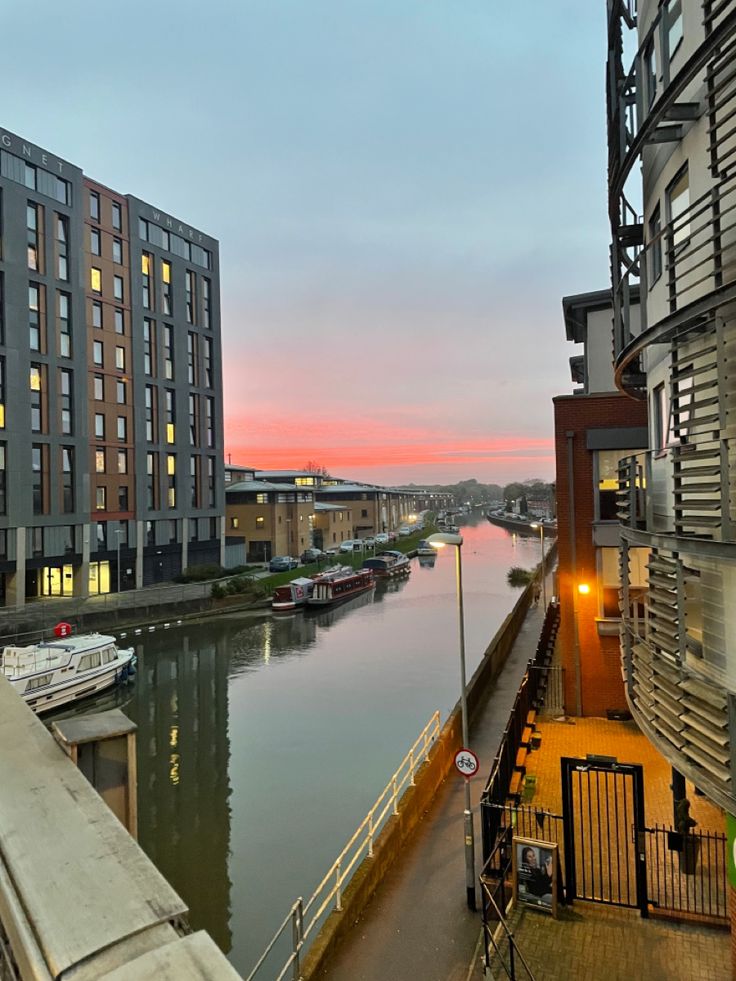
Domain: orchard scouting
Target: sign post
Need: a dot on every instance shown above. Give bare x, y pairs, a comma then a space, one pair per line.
466, 763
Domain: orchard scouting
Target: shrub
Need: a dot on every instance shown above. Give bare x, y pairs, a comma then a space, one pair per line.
518, 577
217, 591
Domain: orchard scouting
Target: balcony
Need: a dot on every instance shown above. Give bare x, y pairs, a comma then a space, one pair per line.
648, 106
679, 668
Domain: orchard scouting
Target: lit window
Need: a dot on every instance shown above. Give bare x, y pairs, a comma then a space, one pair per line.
101, 499
260, 522
99, 461
170, 433
234, 522
120, 358
166, 272
95, 280
146, 264
170, 464
35, 379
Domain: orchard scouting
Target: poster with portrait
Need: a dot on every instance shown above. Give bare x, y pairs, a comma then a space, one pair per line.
535, 870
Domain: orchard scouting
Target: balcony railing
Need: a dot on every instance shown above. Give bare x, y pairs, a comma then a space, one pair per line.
698, 248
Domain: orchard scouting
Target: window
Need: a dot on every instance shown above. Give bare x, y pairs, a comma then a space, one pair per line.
117, 217
234, 522
2, 392
62, 248
146, 264
117, 251
150, 414
35, 317
210, 482
98, 383
166, 287
117, 287
96, 314
173, 531
659, 415
206, 290
674, 25
650, 72
36, 387
193, 531
3, 468
655, 247
194, 473
170, 416
150, 533
120, 358
32, 222
119, 322
171, 480
260, 522
101, 536
192, 358
120, 392
190, 280
678, 203
29, 176
97, 352
100, 460
149, 346
67, 479
207, 342
66, 405
122, 429
168, 352
261, 498
37, 479
94, 205
152, 481
143, 229
99, 425
95, 241
36, 541
607, 462
122, 498
95, 279
63, 304
122, 461
193, 420
210, 420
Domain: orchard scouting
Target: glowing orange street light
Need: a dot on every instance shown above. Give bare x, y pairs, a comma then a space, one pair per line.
583, 588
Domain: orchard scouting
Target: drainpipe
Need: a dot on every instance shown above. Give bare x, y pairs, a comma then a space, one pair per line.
574, 563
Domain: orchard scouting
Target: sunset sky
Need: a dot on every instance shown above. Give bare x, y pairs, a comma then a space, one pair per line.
403, 190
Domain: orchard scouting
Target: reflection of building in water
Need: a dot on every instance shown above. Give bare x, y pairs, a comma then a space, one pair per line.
181, 707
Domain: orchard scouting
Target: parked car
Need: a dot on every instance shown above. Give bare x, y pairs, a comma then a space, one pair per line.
282, 563
312, 555
351, 545
404, 531
382, 538
369, 542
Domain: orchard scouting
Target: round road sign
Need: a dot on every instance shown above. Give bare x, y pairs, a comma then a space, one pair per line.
466, 762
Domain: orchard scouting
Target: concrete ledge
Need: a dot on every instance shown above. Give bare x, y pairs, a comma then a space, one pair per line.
416, 800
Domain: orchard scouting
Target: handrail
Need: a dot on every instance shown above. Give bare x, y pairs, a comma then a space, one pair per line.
361, 843
514, 949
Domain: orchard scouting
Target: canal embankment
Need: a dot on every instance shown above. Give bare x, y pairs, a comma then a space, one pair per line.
422, 802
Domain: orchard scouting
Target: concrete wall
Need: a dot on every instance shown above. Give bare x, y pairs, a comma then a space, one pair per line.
414, 803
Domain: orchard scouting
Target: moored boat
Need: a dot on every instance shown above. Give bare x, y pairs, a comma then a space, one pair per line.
53, 673
335, 587
292, 595
388, 565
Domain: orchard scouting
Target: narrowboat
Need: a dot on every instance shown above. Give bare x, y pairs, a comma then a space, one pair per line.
336, 587
293, 595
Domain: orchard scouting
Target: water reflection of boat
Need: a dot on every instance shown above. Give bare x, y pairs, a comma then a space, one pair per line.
428, 560
424, 549
328, 617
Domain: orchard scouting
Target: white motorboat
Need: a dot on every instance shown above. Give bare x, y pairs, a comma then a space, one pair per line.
50, 674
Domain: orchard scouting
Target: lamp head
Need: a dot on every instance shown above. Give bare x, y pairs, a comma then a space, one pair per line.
442, 538
583, 588
534, 524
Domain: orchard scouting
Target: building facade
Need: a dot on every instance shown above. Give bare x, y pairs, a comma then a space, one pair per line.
111, 434
672, 187
594, 427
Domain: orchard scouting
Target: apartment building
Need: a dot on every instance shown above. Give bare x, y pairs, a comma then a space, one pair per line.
111, 472
594, 427
672, 188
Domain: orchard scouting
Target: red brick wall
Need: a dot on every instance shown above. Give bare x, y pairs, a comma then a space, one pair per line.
601, 684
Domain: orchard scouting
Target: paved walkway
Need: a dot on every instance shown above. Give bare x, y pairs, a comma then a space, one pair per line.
418, 927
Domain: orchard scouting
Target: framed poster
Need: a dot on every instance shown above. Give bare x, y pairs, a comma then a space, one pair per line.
535, 867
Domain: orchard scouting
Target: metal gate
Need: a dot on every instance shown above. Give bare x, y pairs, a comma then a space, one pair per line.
605, 852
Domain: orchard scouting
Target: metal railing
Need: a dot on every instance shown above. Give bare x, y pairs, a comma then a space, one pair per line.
303, 918
688, 873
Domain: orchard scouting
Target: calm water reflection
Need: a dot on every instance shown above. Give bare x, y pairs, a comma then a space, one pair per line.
263, 741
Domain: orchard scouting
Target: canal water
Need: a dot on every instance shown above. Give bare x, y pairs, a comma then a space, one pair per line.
263, 741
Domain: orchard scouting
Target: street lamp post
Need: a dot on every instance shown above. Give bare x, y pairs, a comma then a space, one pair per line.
539, 525
439, 540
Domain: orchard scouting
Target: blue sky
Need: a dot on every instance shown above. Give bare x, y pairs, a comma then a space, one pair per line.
402, 191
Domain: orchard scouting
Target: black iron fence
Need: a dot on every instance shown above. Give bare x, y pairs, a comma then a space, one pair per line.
529, 698
688, 873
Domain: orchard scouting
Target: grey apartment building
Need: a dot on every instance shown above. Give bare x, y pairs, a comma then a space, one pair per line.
111, 433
